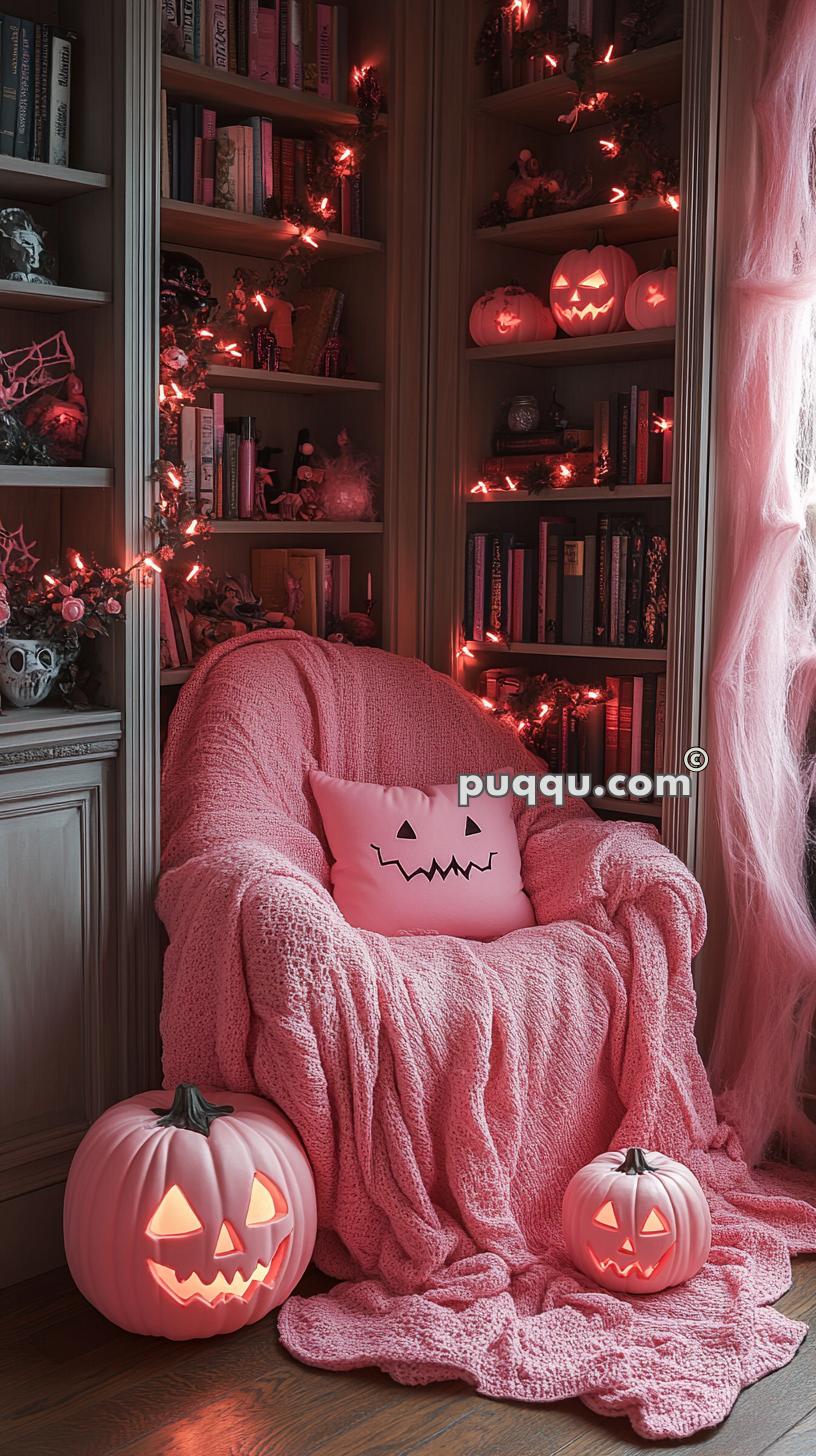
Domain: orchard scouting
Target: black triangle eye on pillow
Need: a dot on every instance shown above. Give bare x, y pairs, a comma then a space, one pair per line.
399, 866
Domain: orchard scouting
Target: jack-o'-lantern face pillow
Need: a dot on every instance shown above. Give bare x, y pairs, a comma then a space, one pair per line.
407, 862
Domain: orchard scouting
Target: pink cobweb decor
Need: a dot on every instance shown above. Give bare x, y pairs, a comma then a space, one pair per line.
43, 414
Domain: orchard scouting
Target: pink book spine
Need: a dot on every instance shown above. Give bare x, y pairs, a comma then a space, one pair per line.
668, 439
478, 588
218, 453
267, 158
324, 50
542, 580
637, 726
198, 176
263, 57
208, 157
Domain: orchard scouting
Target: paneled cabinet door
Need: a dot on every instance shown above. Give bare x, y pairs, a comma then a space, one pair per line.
58, 1001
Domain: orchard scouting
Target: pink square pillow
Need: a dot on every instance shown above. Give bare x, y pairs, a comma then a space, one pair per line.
408, 862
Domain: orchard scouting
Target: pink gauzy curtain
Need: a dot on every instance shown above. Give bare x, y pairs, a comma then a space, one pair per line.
764, 673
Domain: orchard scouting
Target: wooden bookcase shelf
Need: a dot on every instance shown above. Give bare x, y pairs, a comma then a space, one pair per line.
604, 496
646, 219
237, 95
57, 477
590, 349
40, 298
565, 649
265, 381
44, 182
656, 73
220, 231
631, 808
173, 677
297, 528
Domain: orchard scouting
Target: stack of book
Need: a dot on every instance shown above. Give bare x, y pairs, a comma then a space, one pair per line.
35, 101
632, 437
623, 735
305, 582
604, 588
239, 167
294, 43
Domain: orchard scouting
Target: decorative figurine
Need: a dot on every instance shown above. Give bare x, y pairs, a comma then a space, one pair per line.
24, 253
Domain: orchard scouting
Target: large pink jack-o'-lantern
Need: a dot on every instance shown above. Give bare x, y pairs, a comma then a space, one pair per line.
510, 315
636, 1222
588, 290
191, 1219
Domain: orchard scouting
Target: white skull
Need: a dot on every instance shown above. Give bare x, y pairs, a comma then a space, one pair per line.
28, 668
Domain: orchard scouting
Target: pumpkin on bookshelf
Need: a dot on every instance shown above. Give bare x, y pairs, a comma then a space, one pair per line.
588, 289
651, 300
510, 315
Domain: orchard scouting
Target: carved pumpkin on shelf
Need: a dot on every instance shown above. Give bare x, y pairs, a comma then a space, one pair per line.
510, 315
588, 290
636, 1222
189, 1218
651, 301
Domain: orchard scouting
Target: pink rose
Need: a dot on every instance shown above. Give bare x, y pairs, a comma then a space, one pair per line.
73, 609
112, 607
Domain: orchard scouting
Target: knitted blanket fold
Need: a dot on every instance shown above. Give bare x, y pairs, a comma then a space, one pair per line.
447, 1090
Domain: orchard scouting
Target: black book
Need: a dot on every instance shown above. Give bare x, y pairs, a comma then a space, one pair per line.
634, 584
242, 37
283, 44
602, 591
186, 126
647, 742
554, 602
572, 592
470, 552
42, 51
9, 68
24, 129
624, 440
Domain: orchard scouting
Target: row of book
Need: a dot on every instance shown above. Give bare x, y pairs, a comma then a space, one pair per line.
606, 22
239, 167
317, 593
625, 734
606, 588
633, 437
299, 44
35, 90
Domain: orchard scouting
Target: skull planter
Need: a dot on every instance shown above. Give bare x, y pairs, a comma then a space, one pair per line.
191, 1219
29, 667
636, 1222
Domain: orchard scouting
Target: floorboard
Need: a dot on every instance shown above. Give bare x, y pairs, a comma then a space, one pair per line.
73, 1385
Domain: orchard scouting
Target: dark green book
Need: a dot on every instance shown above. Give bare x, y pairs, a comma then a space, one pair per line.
24, 130
9, 68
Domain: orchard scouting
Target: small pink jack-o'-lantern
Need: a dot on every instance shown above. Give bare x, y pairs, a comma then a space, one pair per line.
190, 1219
651, 301
510, 316
588, 290
636, 1222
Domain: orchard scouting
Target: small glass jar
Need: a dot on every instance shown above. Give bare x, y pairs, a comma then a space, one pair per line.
523, 414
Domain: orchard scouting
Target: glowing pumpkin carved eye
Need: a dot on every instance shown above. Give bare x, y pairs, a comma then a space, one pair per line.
266, 1202
606, 1216
654, 1223
561, 282
174, 1216
594, 280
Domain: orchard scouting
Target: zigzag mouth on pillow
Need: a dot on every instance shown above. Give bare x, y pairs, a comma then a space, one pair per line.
454, 868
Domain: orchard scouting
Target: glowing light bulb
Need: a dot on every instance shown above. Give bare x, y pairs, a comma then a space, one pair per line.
609, 53
174, 479
205, 333
179, 393
192, 528
492, 636
308, 237
79, 564
480, 488
486, 704
543, 712
617, 194
660, 424
49, 579
260, 302
511, 483
609, 145
193, 572
551, 61
162, 394
154, 565
464, 651
672, 200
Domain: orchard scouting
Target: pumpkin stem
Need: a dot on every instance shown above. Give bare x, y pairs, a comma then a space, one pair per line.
190, 1111
599, 240
667, 260
635, 1162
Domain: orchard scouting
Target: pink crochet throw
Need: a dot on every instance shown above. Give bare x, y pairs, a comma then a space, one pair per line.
446, 1090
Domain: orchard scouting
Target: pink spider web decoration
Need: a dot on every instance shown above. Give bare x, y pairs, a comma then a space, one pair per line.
15, 551
26, 372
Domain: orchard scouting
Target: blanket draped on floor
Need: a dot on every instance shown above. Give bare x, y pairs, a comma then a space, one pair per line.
447, 1090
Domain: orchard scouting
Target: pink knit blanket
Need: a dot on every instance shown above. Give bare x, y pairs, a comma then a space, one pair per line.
447, 1090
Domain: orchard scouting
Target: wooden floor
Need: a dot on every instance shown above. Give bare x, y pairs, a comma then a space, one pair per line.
73, 1385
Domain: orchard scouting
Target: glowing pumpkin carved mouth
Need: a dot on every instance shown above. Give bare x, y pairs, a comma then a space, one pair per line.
240, 1286
589, 310
627, 1271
